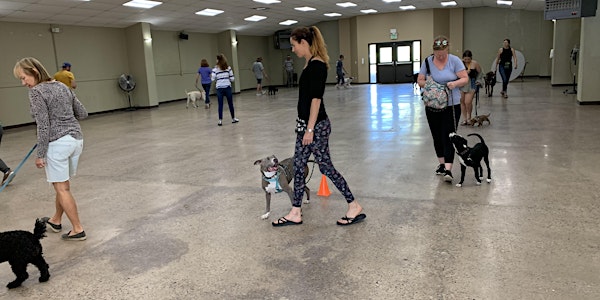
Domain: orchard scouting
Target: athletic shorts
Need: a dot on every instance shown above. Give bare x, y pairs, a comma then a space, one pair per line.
62, 158
258, 80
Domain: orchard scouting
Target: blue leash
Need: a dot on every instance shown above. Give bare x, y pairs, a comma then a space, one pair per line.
10, 178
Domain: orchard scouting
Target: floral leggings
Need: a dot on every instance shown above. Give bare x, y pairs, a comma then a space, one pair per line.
320, 150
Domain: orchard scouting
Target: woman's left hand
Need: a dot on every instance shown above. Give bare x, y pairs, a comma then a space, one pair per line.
308, 138
40, 163
451, 85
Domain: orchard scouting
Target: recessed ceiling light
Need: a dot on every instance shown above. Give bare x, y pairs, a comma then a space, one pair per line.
368, 11
267, 1
407, 7
255, 18
501, 2
261, 8
288, 22
305, 8
332, 15
209, 12
346, 4
390, 1
448, 3
142, 3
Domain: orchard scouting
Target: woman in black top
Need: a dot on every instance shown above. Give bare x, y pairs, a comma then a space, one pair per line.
506, 55
313, 126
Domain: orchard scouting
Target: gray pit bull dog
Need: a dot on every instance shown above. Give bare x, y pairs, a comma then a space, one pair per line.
276, 177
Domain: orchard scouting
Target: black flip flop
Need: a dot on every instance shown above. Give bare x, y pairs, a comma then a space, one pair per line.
284, 222
350, 221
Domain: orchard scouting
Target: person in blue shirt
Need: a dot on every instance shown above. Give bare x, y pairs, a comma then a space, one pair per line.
340, 71
204, 74
449, 70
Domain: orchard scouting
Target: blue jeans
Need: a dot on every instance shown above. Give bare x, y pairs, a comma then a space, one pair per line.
340, 78
319, 148
206, 88
227, 93
505, 71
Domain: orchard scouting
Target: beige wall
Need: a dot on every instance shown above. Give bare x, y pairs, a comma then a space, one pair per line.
100, 55
376, 29
589, 61
566, 36
485, 28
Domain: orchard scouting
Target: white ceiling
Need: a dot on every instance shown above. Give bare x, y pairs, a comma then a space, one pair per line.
179, 15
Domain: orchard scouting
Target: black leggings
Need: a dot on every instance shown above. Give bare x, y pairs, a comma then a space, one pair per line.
319, 148
440, 124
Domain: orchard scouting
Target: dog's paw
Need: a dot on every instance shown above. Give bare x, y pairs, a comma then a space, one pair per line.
306, 201
265, 216
459, 185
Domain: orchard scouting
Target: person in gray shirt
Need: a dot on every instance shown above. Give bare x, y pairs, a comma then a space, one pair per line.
56, 111
259, 73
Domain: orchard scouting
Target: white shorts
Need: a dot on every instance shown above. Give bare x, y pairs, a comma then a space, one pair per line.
62, 158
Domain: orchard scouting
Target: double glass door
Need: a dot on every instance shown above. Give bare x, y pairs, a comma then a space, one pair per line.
394, 62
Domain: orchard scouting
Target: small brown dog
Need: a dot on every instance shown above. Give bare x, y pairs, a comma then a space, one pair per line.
478, 120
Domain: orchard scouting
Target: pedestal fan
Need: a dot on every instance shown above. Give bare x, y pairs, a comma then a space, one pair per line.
127, 84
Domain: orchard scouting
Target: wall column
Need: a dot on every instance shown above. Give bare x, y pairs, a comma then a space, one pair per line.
588, 89
141, 65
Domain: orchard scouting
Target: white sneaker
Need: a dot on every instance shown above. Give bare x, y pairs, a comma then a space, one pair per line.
259, 94
235, 120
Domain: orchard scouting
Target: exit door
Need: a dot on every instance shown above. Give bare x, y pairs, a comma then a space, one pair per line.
394, 62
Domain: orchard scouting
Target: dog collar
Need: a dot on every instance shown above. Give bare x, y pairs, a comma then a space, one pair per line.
273, 182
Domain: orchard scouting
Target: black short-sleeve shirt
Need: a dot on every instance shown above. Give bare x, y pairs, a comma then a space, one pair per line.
312, 85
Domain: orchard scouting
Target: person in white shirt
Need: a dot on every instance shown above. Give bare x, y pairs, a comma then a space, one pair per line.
223, 75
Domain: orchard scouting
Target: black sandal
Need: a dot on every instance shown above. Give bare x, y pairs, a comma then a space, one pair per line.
350, 221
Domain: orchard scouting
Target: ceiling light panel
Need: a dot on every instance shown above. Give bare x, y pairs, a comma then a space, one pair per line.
391, 1
346, 4
501, 2
305, 8
255, 18
333, 14
142, 3
267, 1
407, 7
209, 12
448, 3
288, 22
368, 11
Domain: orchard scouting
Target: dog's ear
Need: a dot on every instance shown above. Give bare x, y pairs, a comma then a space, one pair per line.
258, 162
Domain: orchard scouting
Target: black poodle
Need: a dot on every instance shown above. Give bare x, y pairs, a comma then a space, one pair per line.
20, 248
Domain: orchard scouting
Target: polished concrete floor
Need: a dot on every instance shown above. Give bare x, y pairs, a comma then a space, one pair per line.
171, 204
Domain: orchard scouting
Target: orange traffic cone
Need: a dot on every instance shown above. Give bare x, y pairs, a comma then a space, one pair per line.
323, 188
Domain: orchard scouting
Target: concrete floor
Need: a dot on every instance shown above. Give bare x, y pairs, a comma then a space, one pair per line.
171, 204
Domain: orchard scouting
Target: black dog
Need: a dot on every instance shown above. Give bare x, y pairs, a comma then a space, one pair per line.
21, 248
471, 157
490, 81
273, 90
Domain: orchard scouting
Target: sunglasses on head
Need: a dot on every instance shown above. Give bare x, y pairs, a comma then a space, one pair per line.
440, 43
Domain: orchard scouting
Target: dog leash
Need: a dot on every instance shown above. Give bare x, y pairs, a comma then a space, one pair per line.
451, 99
10, 178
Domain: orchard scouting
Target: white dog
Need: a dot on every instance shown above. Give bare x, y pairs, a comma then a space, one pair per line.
347, 82
194, 96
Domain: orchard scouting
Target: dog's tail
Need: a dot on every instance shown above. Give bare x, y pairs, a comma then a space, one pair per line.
39, 231
477, 135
